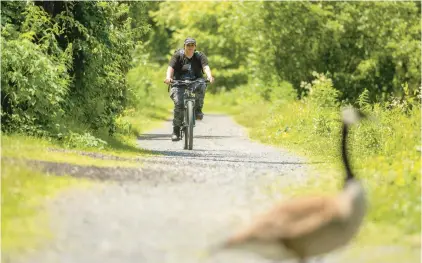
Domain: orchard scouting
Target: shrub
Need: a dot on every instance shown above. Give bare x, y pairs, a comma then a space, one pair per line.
321, 92
86, 140
34, 86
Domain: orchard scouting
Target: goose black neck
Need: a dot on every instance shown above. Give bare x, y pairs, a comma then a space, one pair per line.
349, 174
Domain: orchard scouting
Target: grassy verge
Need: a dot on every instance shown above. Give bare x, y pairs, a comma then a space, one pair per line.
122, 144
384, 154
148, 107
25, 190
24, 222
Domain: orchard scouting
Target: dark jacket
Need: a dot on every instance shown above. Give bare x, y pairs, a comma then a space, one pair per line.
185, 68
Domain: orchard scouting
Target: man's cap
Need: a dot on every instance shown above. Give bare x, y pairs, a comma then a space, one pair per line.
190, 40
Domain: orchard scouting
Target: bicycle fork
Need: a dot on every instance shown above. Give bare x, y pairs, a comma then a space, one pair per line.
185, 117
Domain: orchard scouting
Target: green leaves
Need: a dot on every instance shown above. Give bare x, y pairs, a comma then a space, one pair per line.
369, 50
321, 92
33, 86
218, 27
363, 45
86, 140
62, 56
364, 101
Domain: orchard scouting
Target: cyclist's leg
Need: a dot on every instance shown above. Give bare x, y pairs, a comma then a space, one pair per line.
176, 94
199, 100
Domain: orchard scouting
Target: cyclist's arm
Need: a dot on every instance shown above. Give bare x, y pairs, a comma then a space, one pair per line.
207, 71
169, 75
172, 65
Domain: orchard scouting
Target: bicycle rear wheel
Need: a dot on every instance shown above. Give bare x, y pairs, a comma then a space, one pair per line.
191, 121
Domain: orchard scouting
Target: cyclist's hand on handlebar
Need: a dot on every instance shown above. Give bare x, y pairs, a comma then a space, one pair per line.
168, 80
210, 79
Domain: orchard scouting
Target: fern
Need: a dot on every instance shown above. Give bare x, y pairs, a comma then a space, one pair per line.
364, 101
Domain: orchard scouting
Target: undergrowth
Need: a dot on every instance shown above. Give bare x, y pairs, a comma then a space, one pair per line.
25, 190
385, 150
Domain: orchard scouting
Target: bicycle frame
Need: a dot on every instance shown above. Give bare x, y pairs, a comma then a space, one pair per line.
189, 96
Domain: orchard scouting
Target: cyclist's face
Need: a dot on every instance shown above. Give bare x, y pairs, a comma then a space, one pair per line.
190, 47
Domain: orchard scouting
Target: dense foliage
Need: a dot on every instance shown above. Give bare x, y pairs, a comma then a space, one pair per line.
385, 150
61, 56
65, 63
373, 46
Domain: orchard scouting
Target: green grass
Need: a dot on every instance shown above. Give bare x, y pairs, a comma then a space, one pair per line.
132, 123
24, 220
384, 155
22, 147
149, 111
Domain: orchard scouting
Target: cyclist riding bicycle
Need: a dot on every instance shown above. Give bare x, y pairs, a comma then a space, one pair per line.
187, 64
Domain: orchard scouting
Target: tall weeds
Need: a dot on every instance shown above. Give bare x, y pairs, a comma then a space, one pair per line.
385, 149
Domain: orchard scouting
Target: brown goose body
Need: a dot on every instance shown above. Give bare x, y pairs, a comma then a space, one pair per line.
306, 226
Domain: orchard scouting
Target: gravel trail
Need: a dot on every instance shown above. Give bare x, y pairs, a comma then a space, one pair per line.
176, 204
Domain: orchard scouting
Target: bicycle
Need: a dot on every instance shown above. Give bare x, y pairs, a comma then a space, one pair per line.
186, 130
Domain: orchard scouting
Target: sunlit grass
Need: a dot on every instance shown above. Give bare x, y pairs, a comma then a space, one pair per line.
151, 113
24, 218
25, 222
384, 154
21, 147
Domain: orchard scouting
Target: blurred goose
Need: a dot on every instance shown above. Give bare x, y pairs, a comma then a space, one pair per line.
308, 226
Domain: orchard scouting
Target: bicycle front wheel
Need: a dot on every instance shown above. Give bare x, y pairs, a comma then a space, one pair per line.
185, 130
191, 121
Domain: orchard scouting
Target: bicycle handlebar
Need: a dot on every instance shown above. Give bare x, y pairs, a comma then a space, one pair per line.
187, 82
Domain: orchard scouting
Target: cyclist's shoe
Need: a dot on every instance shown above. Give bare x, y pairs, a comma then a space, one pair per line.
199, 115
175, 136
